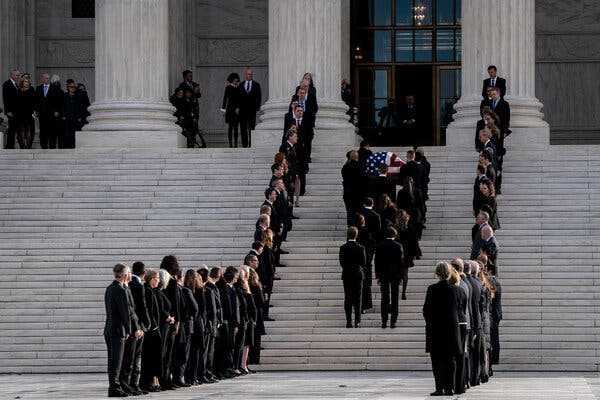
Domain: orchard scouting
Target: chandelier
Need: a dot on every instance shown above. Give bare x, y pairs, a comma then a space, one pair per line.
419, 14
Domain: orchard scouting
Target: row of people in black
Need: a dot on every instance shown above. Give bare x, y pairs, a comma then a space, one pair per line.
167, 329
60, 114
464, 309
462, 313
387, 230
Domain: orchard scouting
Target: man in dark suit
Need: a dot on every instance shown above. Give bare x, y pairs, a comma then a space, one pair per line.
414, 170
189, 312
408, 119
304, 129
495, 316
231, 321
173, 294
372, 219
441, 313
250, 101
10, 92
493, 81
121, 323
389, 271
352, 261
214, 321
45, 113
132, 359
188, 83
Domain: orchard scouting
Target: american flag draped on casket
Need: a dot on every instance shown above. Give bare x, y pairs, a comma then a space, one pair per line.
388, 158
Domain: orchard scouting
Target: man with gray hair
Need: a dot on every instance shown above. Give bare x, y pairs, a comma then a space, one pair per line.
442, 330
121, 323
477, 301
10, 91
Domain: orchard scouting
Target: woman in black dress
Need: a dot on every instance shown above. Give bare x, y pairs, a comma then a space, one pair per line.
252, 316
25, 105
196, 367
259, 328
166, 317
231, 108
266, 269
152, 348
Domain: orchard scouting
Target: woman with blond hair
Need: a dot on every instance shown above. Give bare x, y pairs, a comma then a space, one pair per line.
487, 295
152, 348
24, 108
196, 367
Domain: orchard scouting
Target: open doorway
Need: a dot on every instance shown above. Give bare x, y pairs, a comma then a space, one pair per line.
414, 102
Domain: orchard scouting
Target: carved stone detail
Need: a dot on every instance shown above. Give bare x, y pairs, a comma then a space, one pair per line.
232, 51
66, 53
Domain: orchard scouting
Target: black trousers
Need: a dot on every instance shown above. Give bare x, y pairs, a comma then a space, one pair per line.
46, 131
11, 132
302, 178
353, 297
246, 131
467, 362
168, 346
352, 203
210, 354
132, 345
181, 354
224, 349
240, 342
151, 357
475, 356
367, 295
115, 347
390, 289
459, 385
232, 134
444, 371
308, 147
196, 366
495, 342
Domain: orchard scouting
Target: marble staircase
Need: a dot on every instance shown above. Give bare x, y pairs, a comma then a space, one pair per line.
66, 217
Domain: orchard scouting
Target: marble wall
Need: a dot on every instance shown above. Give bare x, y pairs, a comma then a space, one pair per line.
567, 66
64, 45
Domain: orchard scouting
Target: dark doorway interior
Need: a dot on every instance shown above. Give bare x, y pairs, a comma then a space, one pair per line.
415, 82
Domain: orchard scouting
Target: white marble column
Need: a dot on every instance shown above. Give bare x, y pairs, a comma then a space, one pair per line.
305, 36
132, 77
501, 34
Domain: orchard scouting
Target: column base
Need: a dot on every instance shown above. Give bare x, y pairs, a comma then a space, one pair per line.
331, 115
131, 116
127, 139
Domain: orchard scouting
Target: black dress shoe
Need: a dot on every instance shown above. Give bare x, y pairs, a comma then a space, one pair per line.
460, 392
383, 325
348, 324
283, 252
393, 325
142, 391
117, 392
357, 324
294, 217
437, 393
448, 392
403, 296
269, 319
281, 266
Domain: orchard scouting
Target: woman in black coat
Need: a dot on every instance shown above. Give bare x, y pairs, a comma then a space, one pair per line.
231, 107
73, 116
252, 314
240, 337
166, 316
352, 180
196, 367
152, 348
266, 267
259, 327
441, 329
25, 104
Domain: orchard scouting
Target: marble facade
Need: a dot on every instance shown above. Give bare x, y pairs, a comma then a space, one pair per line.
214, 38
